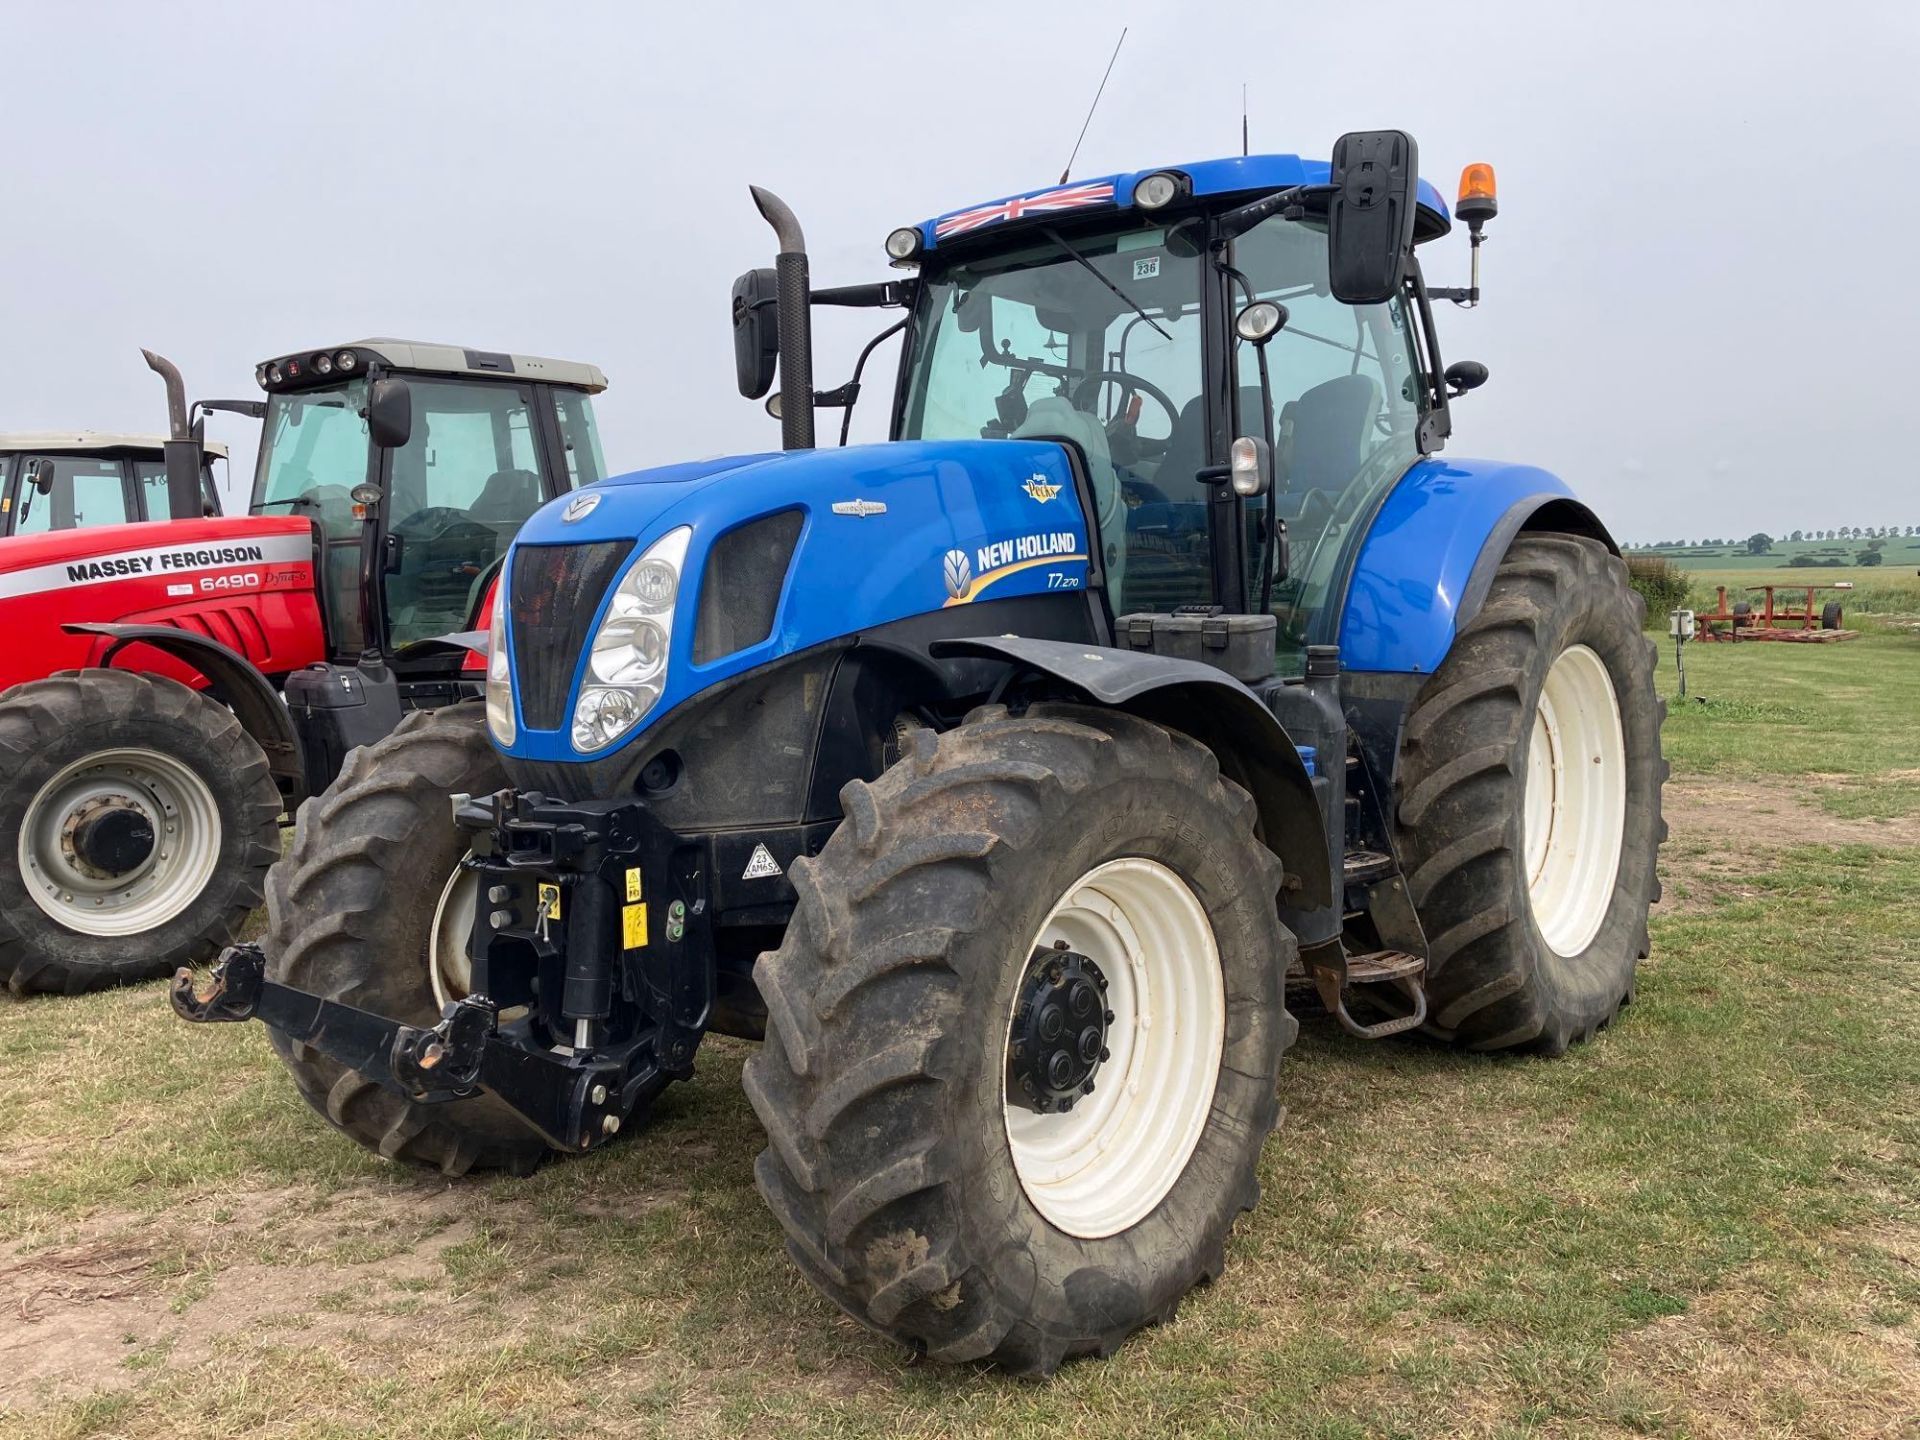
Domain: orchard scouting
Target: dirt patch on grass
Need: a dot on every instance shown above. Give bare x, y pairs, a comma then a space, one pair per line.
1781, 1351
88, 1310
1752, 817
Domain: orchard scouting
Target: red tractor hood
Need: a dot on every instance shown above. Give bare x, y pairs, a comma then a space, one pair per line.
244, 580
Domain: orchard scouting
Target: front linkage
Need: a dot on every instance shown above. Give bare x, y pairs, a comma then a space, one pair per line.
588, 993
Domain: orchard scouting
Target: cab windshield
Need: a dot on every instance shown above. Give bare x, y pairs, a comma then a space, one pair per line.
313, 452
1101, 344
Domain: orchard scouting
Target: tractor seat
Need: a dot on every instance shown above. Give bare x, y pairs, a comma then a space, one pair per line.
508, 498
1187, 445
1053, 417
1327, 430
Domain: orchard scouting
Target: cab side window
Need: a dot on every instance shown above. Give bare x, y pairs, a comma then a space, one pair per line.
85, 491
150, 483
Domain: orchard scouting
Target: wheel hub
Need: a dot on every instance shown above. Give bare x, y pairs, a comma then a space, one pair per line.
110, 836
1059, 1034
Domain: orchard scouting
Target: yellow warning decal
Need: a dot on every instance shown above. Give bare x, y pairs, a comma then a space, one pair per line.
549, 902
633, 927
633, 885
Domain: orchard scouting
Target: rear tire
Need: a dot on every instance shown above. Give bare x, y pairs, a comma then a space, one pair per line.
904, 1179
162, 762
1536, 918
350, 913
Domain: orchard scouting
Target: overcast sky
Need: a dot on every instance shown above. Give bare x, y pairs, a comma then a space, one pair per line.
1699, 302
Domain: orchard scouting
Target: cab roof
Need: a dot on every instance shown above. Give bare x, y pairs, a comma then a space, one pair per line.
1248, 175
75, 442
425, 358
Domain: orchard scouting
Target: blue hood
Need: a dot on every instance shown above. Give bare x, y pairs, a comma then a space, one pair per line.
922, 525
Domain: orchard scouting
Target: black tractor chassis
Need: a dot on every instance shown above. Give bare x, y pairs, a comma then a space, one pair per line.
592, 971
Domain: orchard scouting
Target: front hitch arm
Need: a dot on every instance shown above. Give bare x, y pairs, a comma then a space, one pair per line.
574, 1101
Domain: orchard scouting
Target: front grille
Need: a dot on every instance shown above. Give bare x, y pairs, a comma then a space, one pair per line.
556, 591
740, 589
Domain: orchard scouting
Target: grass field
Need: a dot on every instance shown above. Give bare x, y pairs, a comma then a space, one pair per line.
1706, 1223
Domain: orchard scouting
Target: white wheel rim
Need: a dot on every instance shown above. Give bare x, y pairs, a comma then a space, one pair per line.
1576, 801
1104, 1165
173, 800
448, 964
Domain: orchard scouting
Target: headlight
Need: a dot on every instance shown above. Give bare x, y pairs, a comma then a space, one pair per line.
499, 673
627, 660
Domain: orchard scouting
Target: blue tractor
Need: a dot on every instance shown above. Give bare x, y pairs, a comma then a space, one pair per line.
1007, 778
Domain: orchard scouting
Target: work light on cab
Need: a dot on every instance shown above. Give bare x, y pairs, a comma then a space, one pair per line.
903, 245
1159, 190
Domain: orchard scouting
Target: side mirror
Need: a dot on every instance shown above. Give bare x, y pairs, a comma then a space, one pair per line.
1465, 375
390, 413
40, 476
1370, 217
756, 331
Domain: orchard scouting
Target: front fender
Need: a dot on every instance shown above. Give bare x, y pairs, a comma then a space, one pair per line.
233, 681
1429, 558
1253, 748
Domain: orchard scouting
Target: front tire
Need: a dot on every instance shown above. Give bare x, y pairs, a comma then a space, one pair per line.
354, 912
1530, 802
139, 820
922, 1188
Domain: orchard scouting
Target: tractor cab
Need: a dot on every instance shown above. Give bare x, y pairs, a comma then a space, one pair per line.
72, 479
416, 464
1150, 319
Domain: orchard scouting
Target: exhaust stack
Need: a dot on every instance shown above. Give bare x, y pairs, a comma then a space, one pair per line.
795, 298
184, 453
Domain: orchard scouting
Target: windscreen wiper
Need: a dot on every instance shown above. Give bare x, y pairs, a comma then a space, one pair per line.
1093, 270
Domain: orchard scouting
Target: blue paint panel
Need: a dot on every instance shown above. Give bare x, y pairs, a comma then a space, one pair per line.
1237, 174
1404, 596
985, 499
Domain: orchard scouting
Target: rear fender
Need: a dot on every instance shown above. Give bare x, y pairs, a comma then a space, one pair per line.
233, 681
1430, 556
1252, 747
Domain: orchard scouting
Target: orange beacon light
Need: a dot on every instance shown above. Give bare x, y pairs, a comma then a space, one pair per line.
1477, 203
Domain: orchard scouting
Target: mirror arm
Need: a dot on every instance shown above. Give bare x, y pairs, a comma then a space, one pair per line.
1236, 223
886, 292
1437, 424
852, 387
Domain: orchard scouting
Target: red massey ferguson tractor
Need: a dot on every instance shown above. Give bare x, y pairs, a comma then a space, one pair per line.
171, 688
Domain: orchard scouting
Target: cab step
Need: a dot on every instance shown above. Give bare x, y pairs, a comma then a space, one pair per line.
1332, 977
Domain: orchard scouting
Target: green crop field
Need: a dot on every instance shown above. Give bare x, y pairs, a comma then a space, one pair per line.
1706, 1223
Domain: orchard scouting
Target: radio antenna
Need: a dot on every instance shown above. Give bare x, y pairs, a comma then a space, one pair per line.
1096, 104
1243, 119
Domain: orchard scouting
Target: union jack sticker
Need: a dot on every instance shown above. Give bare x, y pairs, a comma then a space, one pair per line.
1067, 197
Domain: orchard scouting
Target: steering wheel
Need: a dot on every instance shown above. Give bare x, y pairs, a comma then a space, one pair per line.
1088, 390
443, 523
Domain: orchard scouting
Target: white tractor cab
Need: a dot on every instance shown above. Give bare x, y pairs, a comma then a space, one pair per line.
417, 463
71, 479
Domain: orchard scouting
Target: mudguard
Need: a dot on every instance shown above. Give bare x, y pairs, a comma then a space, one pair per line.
1429, 558
1208, 704
233, 681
